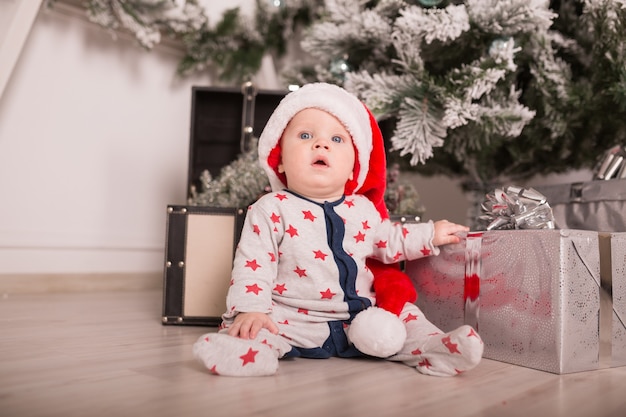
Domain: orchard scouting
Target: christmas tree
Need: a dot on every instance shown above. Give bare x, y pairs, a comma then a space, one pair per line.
481, 89
231, 47
484, 90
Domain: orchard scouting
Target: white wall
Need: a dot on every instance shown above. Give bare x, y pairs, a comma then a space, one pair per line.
94, 137
93, 145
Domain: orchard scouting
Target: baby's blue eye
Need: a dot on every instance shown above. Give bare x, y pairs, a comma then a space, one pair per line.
337, 139
305, 135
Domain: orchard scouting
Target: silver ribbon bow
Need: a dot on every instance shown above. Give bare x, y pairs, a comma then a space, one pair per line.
515, 207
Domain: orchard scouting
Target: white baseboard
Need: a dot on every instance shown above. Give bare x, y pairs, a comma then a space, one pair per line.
76, 282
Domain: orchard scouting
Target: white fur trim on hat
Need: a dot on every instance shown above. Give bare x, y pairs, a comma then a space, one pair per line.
328, 97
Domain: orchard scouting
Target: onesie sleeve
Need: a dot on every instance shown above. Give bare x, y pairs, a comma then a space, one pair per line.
404, 241
254, 265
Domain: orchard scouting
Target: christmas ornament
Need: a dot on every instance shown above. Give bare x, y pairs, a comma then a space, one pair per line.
339, 67
500, 47
430, 3
279, 4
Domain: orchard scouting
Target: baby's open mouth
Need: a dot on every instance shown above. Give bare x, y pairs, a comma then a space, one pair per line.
320, 162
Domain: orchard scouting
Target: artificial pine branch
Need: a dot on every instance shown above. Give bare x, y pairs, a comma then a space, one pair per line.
478, 89
486, 89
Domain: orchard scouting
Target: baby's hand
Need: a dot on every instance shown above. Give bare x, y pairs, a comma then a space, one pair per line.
247, 325
445, 230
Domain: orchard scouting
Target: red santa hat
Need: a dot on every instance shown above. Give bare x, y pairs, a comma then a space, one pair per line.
370, 162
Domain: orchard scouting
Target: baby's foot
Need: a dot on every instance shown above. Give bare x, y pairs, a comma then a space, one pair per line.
227, 355
448, 354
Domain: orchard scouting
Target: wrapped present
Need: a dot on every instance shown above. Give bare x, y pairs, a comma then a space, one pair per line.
591, 205
533, 295
612, 164
613, 276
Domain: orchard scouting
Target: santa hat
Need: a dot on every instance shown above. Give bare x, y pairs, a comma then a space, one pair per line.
370, 163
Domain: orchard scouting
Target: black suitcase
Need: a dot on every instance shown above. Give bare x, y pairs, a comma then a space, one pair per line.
200, 240
201, 243
221, 120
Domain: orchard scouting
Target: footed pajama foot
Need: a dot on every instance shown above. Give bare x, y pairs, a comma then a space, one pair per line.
227, 355
448, 354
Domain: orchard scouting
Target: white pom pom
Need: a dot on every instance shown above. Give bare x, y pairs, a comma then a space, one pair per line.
377, 332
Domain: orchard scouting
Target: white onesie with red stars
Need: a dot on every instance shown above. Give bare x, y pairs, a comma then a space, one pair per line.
303, 263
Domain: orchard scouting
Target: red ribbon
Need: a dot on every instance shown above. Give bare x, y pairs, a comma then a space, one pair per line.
473, 264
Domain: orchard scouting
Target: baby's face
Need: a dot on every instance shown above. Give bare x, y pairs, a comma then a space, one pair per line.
317, 155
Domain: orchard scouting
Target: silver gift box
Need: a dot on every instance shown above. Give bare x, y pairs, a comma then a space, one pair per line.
592, 205
613, 275
533, 295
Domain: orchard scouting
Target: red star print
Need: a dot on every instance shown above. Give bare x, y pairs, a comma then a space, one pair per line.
359, 237
327, 294
249, 356
303, 311
301, 272
281, 197
381, 244
416, 352
272, 256
409, 317
425, 251
275, 218
213, 370
252, 265
308, 215
405, 231
283, 322
256, 229
397, 256
365, 225
349, 203
424, 363
472, 333
266, 343
292, 231
253, 288
280, 288
320, 255
452, 347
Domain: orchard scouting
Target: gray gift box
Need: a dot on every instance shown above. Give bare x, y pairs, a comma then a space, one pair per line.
533, 295
592, 205
613, 273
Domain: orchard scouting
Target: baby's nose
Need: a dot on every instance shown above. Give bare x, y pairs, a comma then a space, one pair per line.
321, 143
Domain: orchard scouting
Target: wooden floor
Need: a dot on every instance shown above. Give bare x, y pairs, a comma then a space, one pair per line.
107, 354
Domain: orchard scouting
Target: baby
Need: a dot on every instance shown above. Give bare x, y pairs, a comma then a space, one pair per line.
300, 275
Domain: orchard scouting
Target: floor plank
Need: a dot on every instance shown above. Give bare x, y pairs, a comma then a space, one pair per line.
107, 354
